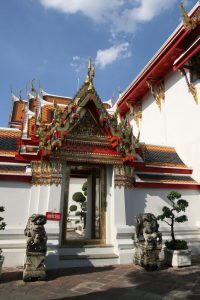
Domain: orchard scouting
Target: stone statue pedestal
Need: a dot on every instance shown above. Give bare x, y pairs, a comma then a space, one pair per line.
147, 256
34, 268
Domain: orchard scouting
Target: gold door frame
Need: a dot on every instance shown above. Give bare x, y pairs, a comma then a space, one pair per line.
64, 241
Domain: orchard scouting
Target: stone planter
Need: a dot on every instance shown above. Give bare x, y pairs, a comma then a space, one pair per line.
1, 264
177, 258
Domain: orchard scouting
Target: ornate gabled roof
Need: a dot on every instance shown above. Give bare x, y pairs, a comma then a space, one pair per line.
87, 120
161, 167
17, 114
9, 141
161, 156
82, 130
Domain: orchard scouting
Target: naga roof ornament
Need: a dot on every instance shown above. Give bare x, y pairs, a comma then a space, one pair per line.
189, 22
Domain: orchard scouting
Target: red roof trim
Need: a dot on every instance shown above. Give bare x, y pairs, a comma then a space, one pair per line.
167, 185
21, 178
167, 54
163, 170
187, 55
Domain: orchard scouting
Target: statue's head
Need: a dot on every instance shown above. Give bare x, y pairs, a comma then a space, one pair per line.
38, 219
150, 222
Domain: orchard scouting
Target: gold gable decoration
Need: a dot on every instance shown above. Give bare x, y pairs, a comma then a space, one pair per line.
190, 22
135, 111
124, 176
46, 173
87, 126
191, 87
157, 91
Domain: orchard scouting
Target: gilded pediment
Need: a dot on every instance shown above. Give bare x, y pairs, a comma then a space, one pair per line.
87, 126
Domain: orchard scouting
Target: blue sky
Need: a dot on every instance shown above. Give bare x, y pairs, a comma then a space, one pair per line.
51, 41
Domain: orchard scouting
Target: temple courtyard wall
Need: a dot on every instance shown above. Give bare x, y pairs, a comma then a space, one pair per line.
21, 200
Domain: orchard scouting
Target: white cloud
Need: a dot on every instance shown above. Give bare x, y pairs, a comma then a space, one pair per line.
110, 55
121, 15
76, 57
144, 11
78, 63
94, 9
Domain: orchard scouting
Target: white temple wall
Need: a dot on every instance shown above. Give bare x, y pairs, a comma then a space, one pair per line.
21, 200
176, 124
149, 200
15, 197
183, 121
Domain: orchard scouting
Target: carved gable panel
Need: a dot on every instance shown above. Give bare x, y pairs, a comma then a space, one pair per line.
87, 126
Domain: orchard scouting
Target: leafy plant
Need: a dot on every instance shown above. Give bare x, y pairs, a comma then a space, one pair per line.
80, 198
170, 217
2, 224
73, 208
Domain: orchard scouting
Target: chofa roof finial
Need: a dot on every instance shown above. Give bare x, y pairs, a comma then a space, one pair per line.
87, 80
90, 74
186, 18
189, 22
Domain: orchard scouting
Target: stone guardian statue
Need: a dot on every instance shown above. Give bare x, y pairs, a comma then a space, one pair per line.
148, 242
36, 248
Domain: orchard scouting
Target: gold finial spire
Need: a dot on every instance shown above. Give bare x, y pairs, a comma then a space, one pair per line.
92, 72
87, 80
89, 65
186, 18
189, 22
90, 75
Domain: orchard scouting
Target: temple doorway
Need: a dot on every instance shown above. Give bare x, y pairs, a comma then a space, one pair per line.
84, 205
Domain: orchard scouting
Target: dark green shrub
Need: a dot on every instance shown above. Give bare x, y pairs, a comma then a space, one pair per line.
73, 208
79, 197
169, 216
176, 245
84, 188
2, 224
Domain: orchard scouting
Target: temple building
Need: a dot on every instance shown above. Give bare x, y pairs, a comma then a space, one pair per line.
122, 160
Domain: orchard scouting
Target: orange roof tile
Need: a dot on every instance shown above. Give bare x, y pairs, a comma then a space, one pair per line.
31, 126
161, 156
57, 99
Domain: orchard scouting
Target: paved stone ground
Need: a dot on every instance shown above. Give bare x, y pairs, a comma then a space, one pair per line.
101, 283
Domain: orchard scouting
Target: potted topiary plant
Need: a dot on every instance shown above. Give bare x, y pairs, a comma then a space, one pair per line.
2, 227
176, 251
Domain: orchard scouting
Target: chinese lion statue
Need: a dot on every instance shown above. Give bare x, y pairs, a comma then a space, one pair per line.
36, 248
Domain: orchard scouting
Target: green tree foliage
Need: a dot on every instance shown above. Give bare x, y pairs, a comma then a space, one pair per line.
73, 208
2, 224
79, 197
170, 217
84, 188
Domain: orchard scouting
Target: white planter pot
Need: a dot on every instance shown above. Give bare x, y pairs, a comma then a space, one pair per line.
1, 264
178, 258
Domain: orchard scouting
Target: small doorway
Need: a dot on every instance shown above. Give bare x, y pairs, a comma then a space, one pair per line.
84, 205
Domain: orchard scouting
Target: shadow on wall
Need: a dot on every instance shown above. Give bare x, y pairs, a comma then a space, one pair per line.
152, 201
